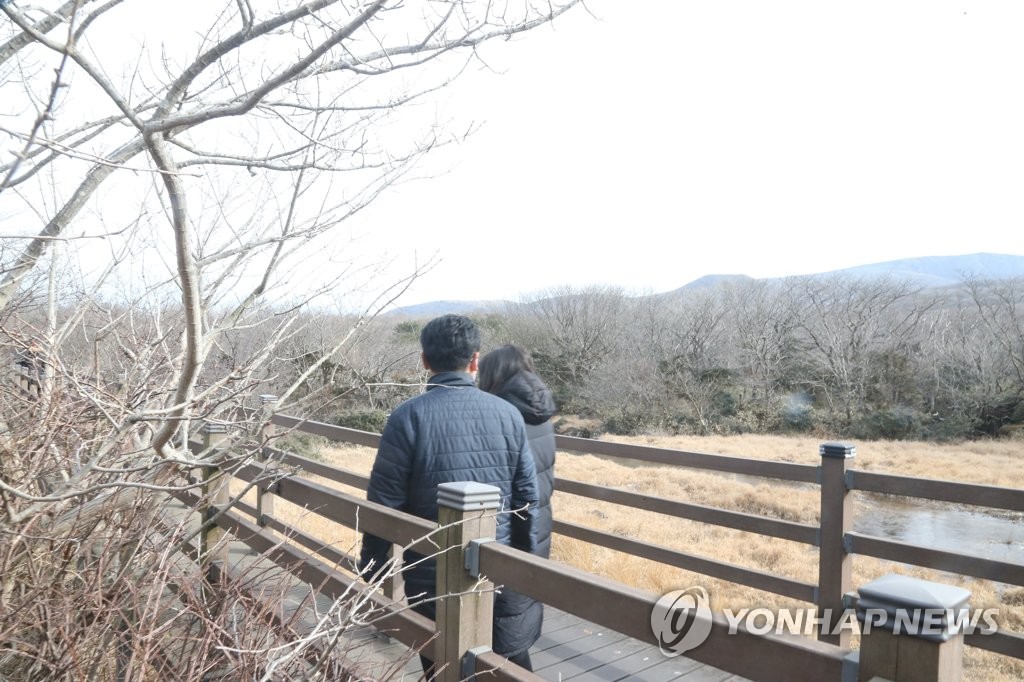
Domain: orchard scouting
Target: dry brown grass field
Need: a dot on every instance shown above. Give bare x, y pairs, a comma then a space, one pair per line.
998, 463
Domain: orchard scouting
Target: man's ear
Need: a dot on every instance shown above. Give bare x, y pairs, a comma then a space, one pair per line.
474, 362
426, 365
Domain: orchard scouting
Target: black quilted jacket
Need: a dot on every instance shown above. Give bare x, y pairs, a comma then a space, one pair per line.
452, 432
518, 618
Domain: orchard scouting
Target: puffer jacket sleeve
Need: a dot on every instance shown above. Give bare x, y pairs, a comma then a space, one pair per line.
525, 499
389, 485
542, 443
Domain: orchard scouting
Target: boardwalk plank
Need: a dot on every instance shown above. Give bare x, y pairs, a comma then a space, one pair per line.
680, 668
565, 655
616, 658
555, 621
566, 636
590, 665
632, 666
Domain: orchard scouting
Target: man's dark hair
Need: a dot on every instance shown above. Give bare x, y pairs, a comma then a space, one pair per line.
449, 342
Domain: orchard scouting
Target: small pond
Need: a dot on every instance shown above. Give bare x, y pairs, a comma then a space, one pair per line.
980, 532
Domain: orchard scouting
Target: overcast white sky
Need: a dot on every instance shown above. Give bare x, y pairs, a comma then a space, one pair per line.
663, 141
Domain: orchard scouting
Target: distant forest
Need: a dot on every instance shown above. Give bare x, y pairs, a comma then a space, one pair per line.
838, 356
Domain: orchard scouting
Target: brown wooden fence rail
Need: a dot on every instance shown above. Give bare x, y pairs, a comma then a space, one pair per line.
835, 504
625, 609
768, 658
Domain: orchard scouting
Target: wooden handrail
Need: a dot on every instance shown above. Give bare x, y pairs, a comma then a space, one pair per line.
785, 530
930, 489
769, 658
786, 471
954, 562
405, 625
492, 666
354, 512
313, 544
690, 562
329, 431
938, 490
1000, 642
331, 473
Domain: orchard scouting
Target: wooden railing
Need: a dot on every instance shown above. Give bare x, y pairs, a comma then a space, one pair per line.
758, 657
836, 548
628, 610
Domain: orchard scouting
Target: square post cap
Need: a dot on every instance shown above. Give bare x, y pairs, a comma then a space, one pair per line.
921, 607
837, 450
214, 427
468, 496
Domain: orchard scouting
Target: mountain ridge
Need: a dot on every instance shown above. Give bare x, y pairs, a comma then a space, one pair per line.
927, 271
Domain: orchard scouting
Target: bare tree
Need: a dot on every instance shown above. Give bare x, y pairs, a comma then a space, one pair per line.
995, 350
764, 319
384, 362
167, 170
627, 386
1000, 308
570, 332
846, 322
696, 369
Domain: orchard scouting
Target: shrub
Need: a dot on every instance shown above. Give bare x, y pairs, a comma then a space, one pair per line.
302, 444
626, 423
578, 428
941, 429
364, 420
740, 423
898, 423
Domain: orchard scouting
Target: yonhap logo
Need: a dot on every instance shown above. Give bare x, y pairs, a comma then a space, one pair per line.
681, 620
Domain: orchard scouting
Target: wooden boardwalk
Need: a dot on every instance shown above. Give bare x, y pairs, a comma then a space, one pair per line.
573, 649
569, 648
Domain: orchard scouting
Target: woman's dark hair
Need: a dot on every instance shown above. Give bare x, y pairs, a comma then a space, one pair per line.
500, 365
449, 342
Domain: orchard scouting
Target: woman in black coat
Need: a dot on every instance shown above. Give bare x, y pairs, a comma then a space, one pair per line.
508, 373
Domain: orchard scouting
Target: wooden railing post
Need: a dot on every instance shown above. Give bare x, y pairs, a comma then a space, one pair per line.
465, 607
835, 565
911, 630
264, 494
213, 551
27, 377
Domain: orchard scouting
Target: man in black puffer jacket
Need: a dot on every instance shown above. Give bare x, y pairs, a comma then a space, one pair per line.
452, 432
